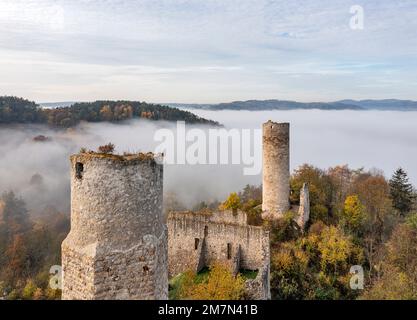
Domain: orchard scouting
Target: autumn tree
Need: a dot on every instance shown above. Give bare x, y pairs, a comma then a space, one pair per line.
219, 285
341, 178
29, 290
17, 259
290, 274
320, 187
337, 250
314, 266
251, 193
232, 202
14, 218
374, 193
123, 112
399, 266
106, 113
354, 213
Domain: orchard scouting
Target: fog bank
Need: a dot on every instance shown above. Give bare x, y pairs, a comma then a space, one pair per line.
39, 171
372, 139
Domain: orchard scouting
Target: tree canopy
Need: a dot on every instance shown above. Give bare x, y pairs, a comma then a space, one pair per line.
17, 110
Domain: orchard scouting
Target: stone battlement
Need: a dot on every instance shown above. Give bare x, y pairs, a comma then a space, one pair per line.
227, 217
132, 159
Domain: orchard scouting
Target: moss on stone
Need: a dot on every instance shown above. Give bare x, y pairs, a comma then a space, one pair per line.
126, 157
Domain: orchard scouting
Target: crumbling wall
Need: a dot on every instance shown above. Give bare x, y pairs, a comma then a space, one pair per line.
304, 209
227, 239
117, 246
259, 288
276, 169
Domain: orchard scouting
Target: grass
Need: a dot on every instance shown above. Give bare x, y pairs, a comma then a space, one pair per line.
174, 286
202, 275
248, 274
176, 282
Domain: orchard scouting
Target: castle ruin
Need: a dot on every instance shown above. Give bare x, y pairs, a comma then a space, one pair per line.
117, 246
120, 247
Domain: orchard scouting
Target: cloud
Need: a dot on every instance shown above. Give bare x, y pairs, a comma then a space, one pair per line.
249, 44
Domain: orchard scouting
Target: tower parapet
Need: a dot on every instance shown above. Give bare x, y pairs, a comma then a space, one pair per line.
276, 169
117, 246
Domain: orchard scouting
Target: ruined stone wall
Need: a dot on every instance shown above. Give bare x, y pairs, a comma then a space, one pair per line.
184, 228
225, 237
259, 288
117, 246
304, 209
276, 169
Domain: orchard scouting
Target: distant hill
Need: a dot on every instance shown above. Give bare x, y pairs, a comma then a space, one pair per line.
261, 105
388, 104
17, 110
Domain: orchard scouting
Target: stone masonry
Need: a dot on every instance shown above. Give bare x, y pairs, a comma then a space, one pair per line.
304, 209
117, 246
276, 169
196, 240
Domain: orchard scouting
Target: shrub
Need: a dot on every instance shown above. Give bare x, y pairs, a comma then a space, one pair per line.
232, 202
107, 148
29, 290
220, 284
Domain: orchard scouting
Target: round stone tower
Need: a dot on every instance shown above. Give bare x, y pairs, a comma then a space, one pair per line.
276, 169
117, 246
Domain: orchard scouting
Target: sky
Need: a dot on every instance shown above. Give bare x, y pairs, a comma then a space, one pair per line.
207, 51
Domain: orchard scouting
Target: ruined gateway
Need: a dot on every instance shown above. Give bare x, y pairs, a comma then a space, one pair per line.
120, 247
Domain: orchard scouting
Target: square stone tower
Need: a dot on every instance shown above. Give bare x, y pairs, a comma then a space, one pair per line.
117, 246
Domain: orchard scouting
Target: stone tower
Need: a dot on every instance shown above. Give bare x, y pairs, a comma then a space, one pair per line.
117, 246
276, 169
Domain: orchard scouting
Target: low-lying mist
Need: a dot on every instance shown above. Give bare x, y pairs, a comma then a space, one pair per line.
38, 171
371, 139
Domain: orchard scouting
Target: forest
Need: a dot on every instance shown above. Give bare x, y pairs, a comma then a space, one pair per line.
15, 110
29, 246
358, 217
